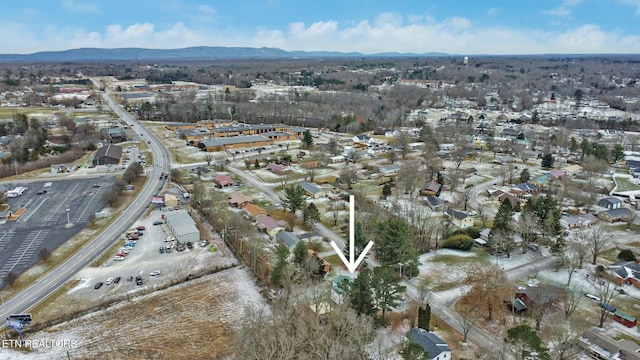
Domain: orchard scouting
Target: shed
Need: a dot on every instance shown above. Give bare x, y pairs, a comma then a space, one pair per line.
625, 319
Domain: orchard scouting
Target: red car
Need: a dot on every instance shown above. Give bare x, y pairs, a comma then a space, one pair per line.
133, 237
141, 227
121, 254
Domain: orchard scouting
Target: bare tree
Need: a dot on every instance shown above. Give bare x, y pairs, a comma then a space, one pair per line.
208, 157
579, 244
564, 340
570, 261
44, 254
569, 302
597, 240
11, 277
467, 317
606, 292
526, 227
410, 177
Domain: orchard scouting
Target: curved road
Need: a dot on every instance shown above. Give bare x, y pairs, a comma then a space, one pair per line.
48, 283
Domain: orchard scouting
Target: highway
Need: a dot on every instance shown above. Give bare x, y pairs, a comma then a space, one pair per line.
48, 283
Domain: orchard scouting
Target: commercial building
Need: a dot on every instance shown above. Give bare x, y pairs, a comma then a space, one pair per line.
182, 226
108, 154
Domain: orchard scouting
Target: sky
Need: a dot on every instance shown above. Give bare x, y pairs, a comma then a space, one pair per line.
367, 26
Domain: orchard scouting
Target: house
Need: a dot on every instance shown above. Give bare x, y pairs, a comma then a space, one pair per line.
363, 139
572, 169
614, 215
337, 159
514, 200
254, 210
525, 188
578, 221
602, 347
390, 169
541, 180
312, 189
557, 174
109, 154
270, 225
435, 203
460, 218
624, 273
447, 147
288, 238
204, 172
223, 181
467, 172
610, 203
539, 296
278, 169
431, 343
337, 294
346, 179
239, 200
625, 319
116, 135
431, 188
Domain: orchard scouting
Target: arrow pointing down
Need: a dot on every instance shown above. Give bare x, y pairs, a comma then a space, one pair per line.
351, 264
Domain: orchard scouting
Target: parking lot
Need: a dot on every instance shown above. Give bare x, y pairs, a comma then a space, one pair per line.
146, 257
44, 223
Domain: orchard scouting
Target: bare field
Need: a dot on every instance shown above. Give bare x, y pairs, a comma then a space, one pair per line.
203, 314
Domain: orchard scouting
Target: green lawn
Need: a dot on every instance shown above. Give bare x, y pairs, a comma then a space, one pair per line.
625, 185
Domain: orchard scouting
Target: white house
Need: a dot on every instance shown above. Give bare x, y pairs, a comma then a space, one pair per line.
431, 343
390, 169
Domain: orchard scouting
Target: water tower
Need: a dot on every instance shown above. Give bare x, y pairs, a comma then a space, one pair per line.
466, 60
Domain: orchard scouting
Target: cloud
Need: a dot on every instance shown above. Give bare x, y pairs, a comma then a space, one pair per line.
635, 3
564, 10
79, 6
387, 32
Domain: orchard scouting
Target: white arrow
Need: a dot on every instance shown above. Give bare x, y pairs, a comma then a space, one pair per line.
351, 264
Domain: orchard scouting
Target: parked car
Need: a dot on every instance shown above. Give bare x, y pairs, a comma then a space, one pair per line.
155, 273
141, 227
608, 307
161, 249
98, 285
189, 245
592, 297
121, 254
133, 237
110, 281
203, 243
157, 222
167, 250
116, 280
118, 258
130, 279
138, 280
169, 238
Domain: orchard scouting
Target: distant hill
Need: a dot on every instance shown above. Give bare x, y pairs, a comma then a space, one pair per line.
190, 53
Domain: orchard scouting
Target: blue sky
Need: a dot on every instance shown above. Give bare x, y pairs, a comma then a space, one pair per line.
367, 26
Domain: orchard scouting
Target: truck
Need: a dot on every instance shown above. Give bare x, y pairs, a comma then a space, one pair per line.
18, 191
161, 175
185, 195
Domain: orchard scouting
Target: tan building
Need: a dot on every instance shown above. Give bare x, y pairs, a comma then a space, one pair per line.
235, 142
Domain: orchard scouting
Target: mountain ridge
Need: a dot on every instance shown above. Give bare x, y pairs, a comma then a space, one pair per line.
189, 53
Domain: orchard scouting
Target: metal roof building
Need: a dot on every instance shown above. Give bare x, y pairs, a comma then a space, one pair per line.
182, 226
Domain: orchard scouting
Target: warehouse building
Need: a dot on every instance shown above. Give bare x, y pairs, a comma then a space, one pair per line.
182, 226
234, 142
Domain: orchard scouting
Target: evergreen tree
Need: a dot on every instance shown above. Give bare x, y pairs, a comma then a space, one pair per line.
424, 317
524, 175
617, 153
360, 293
310, 214
256, 164
414, 351
547, 161
526, 343
394, 245
282, 253
501, 234
387, 291
300, 253
307, 139
386, 190
359, 241
574, 145
294, 198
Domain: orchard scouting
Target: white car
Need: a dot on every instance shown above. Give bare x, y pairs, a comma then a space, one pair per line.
592, 297
125, 250
109, 281
170, 238
118, 258
155, 273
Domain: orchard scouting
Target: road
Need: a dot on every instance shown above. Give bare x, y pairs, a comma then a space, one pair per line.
48, 283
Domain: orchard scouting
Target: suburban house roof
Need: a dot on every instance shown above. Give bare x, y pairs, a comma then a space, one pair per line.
254, 210
542, 179
434, 201
429, 341
288, 238
338, 280
609, 201
526, 187
310, 187
390, 169
557, 173
460, 215
626, 269
231, 140
579, 220
617, 213
277, 167
223, 180
239, 198
110, 150
268, 223
609, 348
431, 186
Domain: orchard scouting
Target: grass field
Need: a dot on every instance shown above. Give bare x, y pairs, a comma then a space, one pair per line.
625, 185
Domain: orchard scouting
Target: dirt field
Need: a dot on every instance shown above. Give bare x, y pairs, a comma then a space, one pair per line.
203, 314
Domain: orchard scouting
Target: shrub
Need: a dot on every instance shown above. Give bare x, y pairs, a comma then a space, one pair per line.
626, 255
460, 242
473, 232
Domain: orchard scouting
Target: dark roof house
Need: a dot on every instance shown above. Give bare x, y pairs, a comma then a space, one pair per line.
430, 342
108, 154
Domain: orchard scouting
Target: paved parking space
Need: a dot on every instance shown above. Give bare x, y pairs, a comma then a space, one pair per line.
44, 222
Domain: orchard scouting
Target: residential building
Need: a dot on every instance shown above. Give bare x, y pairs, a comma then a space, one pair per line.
223, 181
312, 189
278, 168
610, 203
431, 343
390, 169
239, 200
337, 294
254, 210
578, 221
288, 238
602, 347
624, 273
430, 188
525, 188
270, 225
614, 215
460, 218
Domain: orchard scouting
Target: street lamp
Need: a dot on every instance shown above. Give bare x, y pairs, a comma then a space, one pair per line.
69, 224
